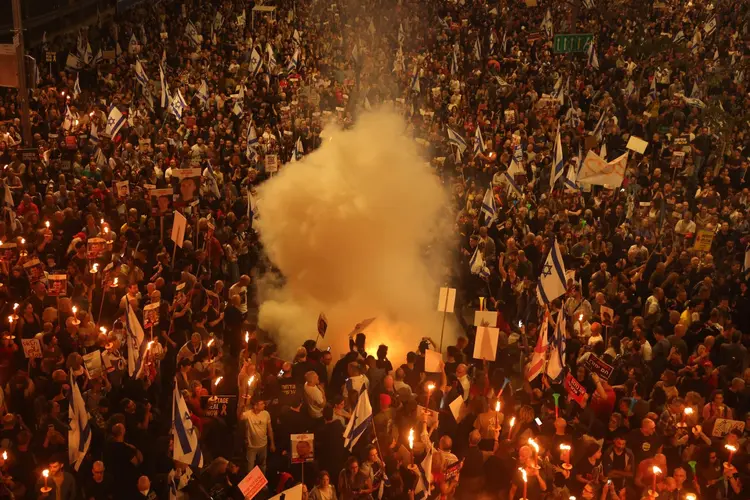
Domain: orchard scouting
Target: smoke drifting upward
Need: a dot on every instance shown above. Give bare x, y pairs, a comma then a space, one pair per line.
348, 226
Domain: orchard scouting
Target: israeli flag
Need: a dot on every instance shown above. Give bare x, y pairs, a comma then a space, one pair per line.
213, 185
132, 44
94, 134
424, 480
76, 88
514, 189
489, 207
710, 27
455, 139
140, 73
552, 280
557, 343
73, 62
191, 32
252, 142
401, 36
518, 154
477, 264
296, 39
571, 179
593, 59
136, 340
178, 105
164, 90
679, 37
79, 435
255, 62
186, 448
294, 62
271, 59
359, 420
203, 92
69, 119
415, 81
547, 25
558, 166
478, 142
299, 148
99, 157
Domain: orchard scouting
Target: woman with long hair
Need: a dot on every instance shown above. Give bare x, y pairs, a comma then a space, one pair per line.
323, 489
353, 484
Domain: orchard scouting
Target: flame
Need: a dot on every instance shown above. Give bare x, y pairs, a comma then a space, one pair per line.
5, 455
688, 411
580, 317
103, 330
689, 496
731, 448
75, 310
106, 229
218, 380
115, 283
656, 470
250, 381
10, 319
497, 406
247, 337
533, 444
15, 306
523, 473
148, 346
430, 387
45, 473
411, 439
211, 342
565, 447
23, 241
513, 421
46, 223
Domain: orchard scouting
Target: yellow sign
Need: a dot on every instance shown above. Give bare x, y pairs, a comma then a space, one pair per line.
703, 240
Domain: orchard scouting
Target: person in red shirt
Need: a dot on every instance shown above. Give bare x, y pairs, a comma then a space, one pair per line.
603, 399
27, 206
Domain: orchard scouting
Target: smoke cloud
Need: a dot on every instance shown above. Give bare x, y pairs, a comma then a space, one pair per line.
358, 230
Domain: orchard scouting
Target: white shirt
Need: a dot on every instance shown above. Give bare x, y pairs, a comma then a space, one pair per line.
684, 227
257, 428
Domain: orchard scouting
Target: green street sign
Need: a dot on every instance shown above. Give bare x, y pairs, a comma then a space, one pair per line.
576, 42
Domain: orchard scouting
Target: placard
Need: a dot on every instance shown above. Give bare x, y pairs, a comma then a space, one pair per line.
606, 315
34, 270
432, 361
637, 144
446, 299
271, 163
510, 116
453, 471
161, 201
93, 363
150, 315
95, 248
322, 325
303, 449
723, 426
57, 285
575, 390
485, 343
32, 348
596, 365
253, 483
178, 229
485, 318
432, 416
122, 189
220, 406
182, 173
703, 240
678, 159
455, 407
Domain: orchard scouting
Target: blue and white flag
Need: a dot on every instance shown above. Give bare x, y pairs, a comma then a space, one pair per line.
76, 88
191, 32
115, 121
73, 62
552, 281
571, 179
557, 344
133, 44
679, 37
177, 105
69, 120
296, 39
477, 264
140, 73
213, 185
424, 479
252, 142
255, 62
136, 340
271, 59
359, 421
455, 139
558, 166
293, 62
79, 434
401, 35
547, 25
593, 59
415, 81
203, 93
478, 142
489, 207
186, 448
514, 189
94, 134
164, 89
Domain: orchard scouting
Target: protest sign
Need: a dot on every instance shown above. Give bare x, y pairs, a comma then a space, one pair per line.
303, 449
485, 343
595, 365
272, 163
253, 483
57, 285
575, 390
34, 270
703, 240
150, 315
178, 229
322, 325
446, 299
161, 202
95, 248
220, 406
723, 426
32, 348
607, 315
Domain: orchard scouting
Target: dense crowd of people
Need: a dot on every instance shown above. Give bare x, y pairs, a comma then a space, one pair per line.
156, 126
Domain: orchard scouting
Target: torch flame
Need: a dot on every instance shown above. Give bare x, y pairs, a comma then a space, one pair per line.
10, 319
218, 380
534, 445
497, 406
75, 310
731, 448
211, 342
148, 346
430, 387
45, 473
523, 473
411, 439
46, 223
103, 330
565, 447
23, 241
247, 337
15, 306
513, 421
688, 411
656, 470
5, 455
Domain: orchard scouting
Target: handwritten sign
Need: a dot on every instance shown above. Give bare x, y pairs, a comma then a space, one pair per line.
575, 390
596, 365
32, 349
303, 449
252, 483
703, 240
724, 426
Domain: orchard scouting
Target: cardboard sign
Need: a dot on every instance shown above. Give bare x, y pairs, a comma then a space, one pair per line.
29, 154
724, 426
575, 390
637, 144
95, 248
150, 315
455, 407
432, 361
678, 159
9, 252
272, 163
161, 202
34, 270
703, 240
220, 406
446, 299
178, 229
510, 116
485, 343
57, 285
253, 483
303, 449
596, 365
322, 325
93, 363
607, 315
485, 318
32, 348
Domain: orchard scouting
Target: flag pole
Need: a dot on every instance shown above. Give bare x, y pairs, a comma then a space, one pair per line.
445, 313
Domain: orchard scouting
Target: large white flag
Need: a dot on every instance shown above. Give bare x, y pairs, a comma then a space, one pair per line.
136, 340
79, 435
456, 139
359, 420
596, 170
558, 165
186, 448
140, 73
552, 280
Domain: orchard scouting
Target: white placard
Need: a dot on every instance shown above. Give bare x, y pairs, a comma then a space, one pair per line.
178, 229
432, 361
446, 299
485, 344
637, 144
488, 318
455, 407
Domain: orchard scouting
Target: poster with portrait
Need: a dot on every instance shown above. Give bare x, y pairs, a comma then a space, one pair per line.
57, 285
678, 159
607, 315
303, 449
9, 252
188, 187
122, 188
150, 315
161, 202
34, 270
95, 248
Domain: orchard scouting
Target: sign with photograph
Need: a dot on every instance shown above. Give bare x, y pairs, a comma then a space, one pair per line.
95, 248
57, 285
150, 315
303, 449
34, 270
